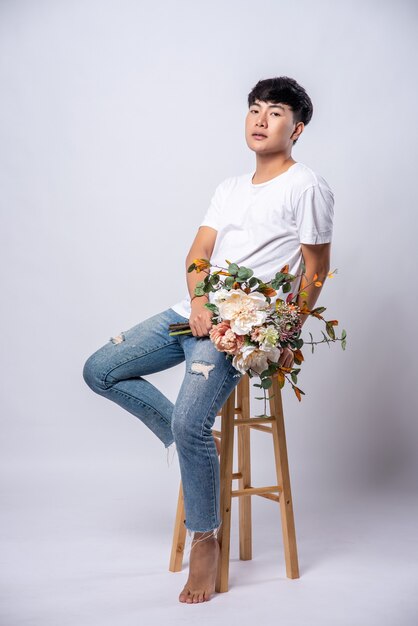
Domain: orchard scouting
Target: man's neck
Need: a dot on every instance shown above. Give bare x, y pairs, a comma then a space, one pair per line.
268, 169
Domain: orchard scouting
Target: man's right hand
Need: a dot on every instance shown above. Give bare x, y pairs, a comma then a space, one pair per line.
200, 320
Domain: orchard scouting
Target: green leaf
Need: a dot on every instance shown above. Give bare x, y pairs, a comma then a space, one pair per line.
233, 269
244, 273
330, 330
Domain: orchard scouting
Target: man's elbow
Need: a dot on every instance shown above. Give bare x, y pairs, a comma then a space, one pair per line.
316, 258
197, 253
320, 268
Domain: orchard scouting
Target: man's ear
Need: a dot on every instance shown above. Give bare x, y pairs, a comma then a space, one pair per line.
298, 131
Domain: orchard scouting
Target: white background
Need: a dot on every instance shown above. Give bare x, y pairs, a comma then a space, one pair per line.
117, 121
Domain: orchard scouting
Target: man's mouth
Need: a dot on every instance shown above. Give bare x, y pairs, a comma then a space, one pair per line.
259, 136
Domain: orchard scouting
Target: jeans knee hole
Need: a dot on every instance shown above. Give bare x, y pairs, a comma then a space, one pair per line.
118, 339
198, 367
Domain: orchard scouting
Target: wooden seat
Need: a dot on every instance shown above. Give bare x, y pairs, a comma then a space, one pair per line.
236, 413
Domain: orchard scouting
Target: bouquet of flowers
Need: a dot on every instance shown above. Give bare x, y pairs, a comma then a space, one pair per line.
249, 329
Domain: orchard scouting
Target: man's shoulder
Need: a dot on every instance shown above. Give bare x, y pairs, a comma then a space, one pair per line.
234, 181
305, 177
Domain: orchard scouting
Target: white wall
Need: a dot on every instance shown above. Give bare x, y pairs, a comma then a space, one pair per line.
118, 119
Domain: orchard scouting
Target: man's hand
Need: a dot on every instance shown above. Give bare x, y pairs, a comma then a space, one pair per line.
286, 358
200, 320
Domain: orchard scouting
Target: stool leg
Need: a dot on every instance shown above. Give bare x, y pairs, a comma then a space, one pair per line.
179, 535
227, 449
244, 468
283, 479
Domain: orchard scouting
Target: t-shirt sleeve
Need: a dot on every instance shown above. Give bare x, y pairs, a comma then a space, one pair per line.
314, 213
213, 214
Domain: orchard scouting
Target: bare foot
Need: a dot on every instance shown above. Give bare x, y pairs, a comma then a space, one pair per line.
204, 556
218, 444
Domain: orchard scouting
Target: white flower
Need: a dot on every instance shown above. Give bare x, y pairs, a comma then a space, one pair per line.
241, 309
268, 336
255, 358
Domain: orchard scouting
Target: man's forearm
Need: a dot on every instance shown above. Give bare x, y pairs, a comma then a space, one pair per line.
312, 290
192, 278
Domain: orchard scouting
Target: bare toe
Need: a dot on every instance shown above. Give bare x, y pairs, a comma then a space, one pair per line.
183, 595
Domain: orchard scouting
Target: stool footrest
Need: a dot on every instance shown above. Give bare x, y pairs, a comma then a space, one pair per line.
269, 496
249, 491
264, 429
243, 421
250, 423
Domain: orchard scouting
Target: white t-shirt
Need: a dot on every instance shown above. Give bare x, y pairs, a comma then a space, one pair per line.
262, 226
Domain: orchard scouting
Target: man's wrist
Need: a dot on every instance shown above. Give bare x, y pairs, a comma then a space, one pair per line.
204, 299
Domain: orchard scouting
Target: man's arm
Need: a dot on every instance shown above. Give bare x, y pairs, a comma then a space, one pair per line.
200, 320
317, 261
201, 248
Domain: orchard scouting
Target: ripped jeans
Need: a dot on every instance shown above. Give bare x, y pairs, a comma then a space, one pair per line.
116, 372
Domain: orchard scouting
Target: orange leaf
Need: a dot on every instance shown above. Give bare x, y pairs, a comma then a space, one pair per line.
280, 378
285, 269
201, 264
315, 277
299, 355
267, 291
317, 283
297, 392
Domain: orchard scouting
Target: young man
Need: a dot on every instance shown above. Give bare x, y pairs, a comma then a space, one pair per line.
282, 213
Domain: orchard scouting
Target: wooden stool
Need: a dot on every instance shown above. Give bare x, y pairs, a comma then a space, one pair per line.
238, 403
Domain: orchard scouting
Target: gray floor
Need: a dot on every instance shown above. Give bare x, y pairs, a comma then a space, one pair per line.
84, 548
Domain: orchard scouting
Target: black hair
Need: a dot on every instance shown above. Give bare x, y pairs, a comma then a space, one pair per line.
286, 91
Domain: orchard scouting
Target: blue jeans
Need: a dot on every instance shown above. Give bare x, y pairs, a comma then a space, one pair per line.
116, 372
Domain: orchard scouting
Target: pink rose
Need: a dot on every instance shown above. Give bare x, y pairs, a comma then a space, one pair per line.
224, 339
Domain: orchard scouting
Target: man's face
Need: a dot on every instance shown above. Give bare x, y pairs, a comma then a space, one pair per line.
275, 122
